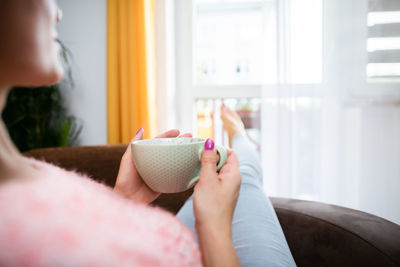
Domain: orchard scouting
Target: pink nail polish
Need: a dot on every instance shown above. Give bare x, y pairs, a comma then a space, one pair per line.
138, 131
209, 144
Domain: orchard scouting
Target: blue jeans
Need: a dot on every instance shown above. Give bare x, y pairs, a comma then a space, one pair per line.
257, 235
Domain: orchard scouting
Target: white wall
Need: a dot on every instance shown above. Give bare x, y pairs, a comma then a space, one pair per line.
83, 31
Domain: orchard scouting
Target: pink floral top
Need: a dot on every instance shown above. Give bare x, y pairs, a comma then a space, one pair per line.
66, 219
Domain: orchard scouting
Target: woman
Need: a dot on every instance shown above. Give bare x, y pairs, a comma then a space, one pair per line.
51, 217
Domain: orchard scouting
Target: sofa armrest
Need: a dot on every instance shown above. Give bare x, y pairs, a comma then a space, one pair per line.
327, 235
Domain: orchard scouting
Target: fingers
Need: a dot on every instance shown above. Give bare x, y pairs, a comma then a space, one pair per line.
232, 158
232, 163
186, 135
173, 133
208, 161
139, 136
170, 133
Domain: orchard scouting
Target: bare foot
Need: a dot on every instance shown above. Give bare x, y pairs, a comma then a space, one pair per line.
232, 123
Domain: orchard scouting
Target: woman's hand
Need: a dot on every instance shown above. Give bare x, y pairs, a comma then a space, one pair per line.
214, 201
215, 195
129, 183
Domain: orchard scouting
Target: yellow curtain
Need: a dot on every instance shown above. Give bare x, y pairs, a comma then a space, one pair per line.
130, 69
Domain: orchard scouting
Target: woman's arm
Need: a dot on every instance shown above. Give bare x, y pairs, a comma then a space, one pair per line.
214, 202
217, 246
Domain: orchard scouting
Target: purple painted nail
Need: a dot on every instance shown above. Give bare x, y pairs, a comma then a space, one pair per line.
209, 144
138, 131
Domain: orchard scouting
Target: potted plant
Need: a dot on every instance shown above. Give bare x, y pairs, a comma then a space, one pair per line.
249, 112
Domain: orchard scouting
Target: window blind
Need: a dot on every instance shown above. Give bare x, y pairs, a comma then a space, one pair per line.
383, 42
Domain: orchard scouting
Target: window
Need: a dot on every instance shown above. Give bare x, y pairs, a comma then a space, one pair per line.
234, 42
239, 47
257, 42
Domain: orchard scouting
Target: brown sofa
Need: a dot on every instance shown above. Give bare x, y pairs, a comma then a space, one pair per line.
318, 234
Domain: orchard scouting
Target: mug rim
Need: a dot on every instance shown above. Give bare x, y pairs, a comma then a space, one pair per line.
147, 142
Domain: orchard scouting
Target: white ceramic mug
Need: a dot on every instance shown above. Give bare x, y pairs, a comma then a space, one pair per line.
171, 165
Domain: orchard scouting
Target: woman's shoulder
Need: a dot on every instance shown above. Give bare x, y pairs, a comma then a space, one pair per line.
67, 215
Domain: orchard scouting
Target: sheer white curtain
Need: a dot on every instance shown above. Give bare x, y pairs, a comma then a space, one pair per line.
329, 92
336, 140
